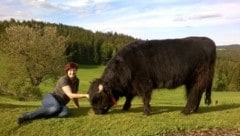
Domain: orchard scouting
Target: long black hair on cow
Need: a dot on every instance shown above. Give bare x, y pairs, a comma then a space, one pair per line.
142, 66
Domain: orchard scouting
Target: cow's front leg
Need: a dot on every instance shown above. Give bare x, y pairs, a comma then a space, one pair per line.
144, 89
146, 98
146, 105
128, 101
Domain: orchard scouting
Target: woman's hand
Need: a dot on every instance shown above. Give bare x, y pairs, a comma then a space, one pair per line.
87, 96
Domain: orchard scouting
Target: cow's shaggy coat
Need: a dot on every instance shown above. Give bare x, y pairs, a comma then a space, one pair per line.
142, 66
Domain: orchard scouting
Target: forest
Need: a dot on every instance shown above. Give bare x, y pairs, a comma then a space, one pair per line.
30, 49
83, 46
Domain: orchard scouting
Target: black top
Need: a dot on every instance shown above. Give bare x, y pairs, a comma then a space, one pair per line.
58, 91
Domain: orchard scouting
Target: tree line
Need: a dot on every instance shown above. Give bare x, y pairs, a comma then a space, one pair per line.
37, 52
227, 70
83, 46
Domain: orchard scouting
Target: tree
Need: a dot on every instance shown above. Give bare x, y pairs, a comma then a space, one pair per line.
36, 54
227, 70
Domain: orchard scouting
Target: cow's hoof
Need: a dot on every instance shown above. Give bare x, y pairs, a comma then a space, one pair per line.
185, 111
147, 113
208, 101
126, 107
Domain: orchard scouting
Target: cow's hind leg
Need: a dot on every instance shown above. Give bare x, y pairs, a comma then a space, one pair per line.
128, 101
194, 95
198, 97
208, 100
195, 88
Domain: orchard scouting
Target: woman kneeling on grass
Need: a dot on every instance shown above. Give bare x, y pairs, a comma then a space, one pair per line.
54, 104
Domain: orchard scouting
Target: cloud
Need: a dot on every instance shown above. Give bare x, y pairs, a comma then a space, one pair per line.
40, 5
197, 17
12, 9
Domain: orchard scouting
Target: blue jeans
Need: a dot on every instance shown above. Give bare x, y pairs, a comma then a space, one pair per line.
50, 108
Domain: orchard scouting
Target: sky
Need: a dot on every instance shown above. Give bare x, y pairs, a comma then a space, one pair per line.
143, 19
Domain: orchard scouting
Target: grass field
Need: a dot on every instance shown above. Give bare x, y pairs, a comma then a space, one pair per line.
165, 117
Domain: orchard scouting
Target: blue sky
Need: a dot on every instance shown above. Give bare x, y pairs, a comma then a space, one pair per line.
145, 19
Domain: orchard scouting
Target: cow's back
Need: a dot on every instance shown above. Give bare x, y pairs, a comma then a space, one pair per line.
168, 61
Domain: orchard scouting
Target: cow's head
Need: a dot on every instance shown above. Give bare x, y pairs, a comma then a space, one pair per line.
100, 96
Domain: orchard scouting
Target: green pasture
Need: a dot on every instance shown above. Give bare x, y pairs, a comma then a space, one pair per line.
165, 117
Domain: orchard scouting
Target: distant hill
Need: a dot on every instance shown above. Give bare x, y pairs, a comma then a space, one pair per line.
232, 46
229, 52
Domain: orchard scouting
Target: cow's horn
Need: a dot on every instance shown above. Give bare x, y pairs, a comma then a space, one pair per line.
100, 88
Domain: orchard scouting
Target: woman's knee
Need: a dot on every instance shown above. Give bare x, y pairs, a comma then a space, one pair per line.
52, 110
64, 112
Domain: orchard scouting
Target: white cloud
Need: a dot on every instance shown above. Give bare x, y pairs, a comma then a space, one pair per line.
82, 3
35, 3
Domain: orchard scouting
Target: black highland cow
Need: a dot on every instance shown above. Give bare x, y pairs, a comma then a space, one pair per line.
142, 66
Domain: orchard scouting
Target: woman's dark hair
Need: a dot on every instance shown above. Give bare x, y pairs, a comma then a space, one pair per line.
71, 65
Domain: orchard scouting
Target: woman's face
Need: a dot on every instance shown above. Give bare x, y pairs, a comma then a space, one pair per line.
72, 73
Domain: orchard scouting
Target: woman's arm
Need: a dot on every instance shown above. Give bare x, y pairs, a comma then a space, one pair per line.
67, 90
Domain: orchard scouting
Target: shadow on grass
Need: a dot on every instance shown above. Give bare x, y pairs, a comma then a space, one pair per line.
154, 109
7, 105
166, 109
82, 111
223, 107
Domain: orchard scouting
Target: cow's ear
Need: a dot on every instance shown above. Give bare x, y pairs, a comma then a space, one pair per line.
100, 88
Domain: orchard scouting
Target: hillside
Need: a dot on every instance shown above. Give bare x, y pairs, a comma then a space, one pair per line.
84, 46
229, 52
232, 46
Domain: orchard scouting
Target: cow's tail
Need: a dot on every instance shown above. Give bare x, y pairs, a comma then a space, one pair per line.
209, 86
210, 73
